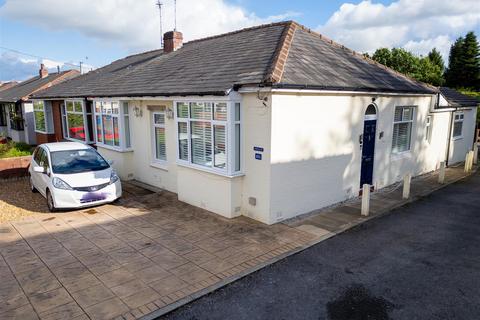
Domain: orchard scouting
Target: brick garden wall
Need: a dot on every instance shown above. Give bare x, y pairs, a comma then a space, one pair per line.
14, 167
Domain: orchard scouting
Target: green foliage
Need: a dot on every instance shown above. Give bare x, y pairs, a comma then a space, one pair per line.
464, 63
15, 149
471, 93
419, 68
436, 58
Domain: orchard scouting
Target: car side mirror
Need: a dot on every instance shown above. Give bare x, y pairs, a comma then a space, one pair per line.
39, 169
110, 162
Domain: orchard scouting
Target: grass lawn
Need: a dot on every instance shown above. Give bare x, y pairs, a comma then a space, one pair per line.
15, 149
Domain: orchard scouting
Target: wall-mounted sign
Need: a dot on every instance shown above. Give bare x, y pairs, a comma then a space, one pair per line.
258, 156
258, 149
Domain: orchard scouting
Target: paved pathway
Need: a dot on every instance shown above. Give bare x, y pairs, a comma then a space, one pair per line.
149, 254
128, 259
419, 262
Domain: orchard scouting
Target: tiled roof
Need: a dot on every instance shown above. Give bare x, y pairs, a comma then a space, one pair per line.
24, 89
7, 85
456, 99
282, 54
317, 62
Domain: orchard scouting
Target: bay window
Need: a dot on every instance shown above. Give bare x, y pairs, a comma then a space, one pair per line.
208, 135
112, 125
16, 116
402, 129
3, 115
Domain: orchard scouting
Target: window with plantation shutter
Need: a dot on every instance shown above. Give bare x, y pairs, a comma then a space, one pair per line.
203, 131
458, 125
159, 140
402, 129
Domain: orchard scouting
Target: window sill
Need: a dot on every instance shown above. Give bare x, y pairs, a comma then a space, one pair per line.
457, 138
208, 170
159, 165
401, 155
41, 132
117, 149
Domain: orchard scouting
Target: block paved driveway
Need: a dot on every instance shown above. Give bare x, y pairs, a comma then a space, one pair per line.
420, 262
126, 260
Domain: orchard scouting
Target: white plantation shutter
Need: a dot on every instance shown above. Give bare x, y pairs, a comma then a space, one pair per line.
220, 157
458, 125
183, 141
402, 129
159, 136
204, 130
201, 132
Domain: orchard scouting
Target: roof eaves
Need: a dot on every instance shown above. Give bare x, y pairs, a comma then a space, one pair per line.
355, 89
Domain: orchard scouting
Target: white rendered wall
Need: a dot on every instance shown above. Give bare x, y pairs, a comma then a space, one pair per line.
315, 151
460, 146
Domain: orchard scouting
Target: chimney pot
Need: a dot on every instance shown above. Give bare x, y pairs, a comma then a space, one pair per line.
43, 72
172, 41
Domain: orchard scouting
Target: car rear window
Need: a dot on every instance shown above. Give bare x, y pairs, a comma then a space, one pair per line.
77, 161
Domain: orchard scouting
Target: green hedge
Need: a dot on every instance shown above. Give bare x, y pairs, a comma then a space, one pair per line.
15, 149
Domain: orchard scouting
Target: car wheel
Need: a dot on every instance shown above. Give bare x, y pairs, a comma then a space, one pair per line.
50, 203
32, 187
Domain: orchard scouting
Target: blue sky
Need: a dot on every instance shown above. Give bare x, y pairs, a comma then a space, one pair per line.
105, 30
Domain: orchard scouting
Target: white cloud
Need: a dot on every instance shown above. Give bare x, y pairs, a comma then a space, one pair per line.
417, 25
14, 66
134, 24
131, 24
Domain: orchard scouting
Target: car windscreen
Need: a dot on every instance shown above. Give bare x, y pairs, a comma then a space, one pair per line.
77, 161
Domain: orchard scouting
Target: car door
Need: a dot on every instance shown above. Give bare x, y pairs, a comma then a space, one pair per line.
44, 178
36, 176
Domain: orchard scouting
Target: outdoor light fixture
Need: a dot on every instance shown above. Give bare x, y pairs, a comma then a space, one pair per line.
138, 112
169, 113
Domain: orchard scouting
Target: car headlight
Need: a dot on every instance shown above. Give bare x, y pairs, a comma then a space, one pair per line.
113, 177
60, 184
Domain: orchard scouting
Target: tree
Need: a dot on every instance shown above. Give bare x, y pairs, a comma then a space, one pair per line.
471, 61
403, 61
464, 63
436, 58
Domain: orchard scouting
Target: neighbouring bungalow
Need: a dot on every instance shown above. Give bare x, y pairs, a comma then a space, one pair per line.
16, 108
268, 122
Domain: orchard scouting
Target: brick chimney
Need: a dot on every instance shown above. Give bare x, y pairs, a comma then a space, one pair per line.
172, 41
43, 72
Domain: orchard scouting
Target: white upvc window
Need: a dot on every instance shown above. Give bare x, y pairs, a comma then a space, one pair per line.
112, 124
158, 137
209, 135
42, 113
402, 129
428, 128
458, 125
78, 123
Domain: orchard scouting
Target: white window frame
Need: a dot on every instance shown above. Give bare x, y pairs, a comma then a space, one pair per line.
121, 125
88, 139
412, 122
458, 117
155, 160
428, 128
47, 115
229, 124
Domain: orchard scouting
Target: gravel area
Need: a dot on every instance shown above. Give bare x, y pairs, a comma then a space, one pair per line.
17, 201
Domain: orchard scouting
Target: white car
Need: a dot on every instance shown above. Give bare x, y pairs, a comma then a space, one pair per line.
72, 175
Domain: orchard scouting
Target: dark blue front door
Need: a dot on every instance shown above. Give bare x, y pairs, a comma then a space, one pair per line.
368, 151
